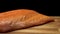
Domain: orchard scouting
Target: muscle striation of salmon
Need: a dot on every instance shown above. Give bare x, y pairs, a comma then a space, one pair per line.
21, 18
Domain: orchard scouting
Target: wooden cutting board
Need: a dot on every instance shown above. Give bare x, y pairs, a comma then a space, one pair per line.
49, 28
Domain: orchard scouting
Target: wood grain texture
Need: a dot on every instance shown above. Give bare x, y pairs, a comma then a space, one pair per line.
49, 28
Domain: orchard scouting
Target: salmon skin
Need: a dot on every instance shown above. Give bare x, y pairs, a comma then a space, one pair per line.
21, 18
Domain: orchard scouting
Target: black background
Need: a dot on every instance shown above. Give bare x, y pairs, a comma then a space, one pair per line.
40, 6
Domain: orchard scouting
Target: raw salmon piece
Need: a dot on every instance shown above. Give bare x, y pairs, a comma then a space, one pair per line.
21, 18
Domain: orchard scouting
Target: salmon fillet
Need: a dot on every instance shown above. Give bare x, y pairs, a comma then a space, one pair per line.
21, 18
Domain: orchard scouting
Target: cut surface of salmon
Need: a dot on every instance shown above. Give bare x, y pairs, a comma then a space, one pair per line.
21, 18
